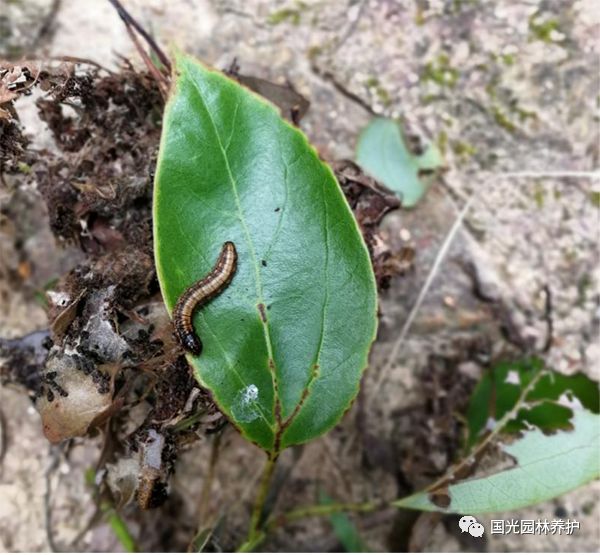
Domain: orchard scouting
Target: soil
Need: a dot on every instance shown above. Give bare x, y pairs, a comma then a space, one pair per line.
502, 88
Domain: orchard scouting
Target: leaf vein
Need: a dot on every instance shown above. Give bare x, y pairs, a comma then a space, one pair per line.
251, 248
314, 370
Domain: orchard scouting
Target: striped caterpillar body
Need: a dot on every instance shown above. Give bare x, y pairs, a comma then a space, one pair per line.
201, 293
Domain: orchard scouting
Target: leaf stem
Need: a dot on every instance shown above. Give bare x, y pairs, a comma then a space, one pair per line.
208, 482
255, 534
305, 512
118, 526
321, 510
258, 534
477, 451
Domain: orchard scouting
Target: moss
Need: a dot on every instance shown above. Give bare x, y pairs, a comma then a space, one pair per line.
595, 198
490, 89
507, 59
314, 52
583, 286
464, 149
286, 14
24, 168
543, 30
524, 115
382, 94
502, 119
430, 98
441, 72
419, 17
499, 115
291, 15
539, 195
372, 82
458, 5
442, 142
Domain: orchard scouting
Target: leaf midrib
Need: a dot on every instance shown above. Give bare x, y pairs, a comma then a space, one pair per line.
257, 279
280, 424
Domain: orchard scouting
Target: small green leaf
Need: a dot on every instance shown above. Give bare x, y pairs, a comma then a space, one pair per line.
40, 294
286, 342
200, 540
344, 528
382, 152
546, 466
119, 527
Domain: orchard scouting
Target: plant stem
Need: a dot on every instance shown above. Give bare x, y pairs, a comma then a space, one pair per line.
208, 482
261, 498
305, 512
321, 510
262, 495
119, 527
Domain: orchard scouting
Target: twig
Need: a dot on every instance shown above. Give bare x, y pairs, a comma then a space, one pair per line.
307, 512
350, 29
321, 510
46, 27
257, 513
330, 454
78, 60
549, 320
132, 25
2, 439
281, 475
329, 77
208, 481
422, 294
52, 466
255, 534
130, 21
84, 530
158, 76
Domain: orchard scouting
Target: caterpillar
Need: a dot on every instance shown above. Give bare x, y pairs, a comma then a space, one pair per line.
200, 293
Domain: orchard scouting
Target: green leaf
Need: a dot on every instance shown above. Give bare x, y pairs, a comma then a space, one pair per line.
286, 342
119, 527
546, 466
344, 528
500, 388
382, 152
200, 540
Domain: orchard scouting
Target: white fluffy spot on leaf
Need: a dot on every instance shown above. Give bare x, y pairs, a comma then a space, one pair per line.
513, 377
244, 406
